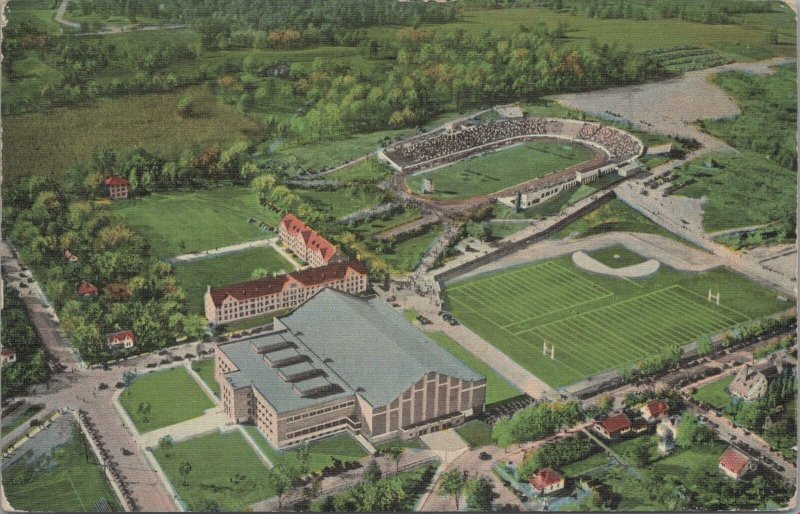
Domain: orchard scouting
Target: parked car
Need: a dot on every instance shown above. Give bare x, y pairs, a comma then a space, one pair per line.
151, 365
484, 456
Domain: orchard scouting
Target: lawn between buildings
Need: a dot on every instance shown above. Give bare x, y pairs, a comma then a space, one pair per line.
205, 368
340, 446
195, 277
597, 322
716, 393
67, 480
173, 396
500, 169
226, 474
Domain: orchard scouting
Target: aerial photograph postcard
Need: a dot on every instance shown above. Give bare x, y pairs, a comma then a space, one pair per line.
398, 255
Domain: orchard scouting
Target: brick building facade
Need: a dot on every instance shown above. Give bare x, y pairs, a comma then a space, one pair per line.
306, 243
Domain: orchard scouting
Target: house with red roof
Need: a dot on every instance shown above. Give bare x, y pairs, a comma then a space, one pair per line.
734, 463
8, 356
121, 340
70, 257
87, 289
117, 187
306, 243
273, 294
547, 481
655, 410
613, 426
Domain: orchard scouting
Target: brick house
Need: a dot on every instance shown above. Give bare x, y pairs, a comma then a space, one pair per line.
121, 340
306, 243
752, 380
547, 481
340, 363
655, 410
273, 294
613, 426
87, 289
117, 187
734, 463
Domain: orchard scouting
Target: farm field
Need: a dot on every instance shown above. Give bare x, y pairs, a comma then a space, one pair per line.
497, 388
226, 473
500, 169
340, 446
195, 276
70, 480
46, 143
185, 222
596, 322
173, 396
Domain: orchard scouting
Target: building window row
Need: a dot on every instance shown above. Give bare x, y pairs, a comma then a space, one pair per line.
340, 421
321, 411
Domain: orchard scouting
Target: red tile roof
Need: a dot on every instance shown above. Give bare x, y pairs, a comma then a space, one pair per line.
657, 408
6, 352
116, 181
271, 285
616, 423
119, 337
87, 289
734, 461
311, 238
545, 477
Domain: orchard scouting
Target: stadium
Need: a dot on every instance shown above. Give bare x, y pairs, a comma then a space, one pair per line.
607, 149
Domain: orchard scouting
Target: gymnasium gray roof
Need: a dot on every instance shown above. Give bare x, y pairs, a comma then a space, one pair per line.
361, 344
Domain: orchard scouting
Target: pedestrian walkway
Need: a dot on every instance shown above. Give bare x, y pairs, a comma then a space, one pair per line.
216, 252
212, 420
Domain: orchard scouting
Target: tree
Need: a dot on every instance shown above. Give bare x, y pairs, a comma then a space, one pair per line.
480, 493
453, 483
396, 454
165, 444
186, 106
280, 482
687, 427
144, 410
303, 453
184, 469
373, 472
605, 404
641, 455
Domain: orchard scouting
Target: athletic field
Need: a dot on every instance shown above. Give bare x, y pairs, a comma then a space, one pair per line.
501, 169
598, 322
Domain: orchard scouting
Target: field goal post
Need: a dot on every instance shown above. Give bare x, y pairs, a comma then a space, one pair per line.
549, 348
713, 296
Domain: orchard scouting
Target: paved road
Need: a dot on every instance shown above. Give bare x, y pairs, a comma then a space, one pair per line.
60, 17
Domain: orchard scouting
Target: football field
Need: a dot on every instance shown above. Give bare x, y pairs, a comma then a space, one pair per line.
598, 322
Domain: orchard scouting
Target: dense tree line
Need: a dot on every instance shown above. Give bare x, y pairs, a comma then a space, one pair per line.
18, 334
437, 71
136, 291
707, 11
543, 419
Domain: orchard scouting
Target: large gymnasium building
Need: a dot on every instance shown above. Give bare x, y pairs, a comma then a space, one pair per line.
340, 363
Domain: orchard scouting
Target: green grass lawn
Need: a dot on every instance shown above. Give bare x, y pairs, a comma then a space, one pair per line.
184, 222
375, 226
617, 257
501, 230
683, 462
497, 388
414, 442
225, 470
205, 368
599, 322
613, 216
46, 143
340, 446
29, 412
195, 276
716, 393
340, 202
173, 395
368, 170
407, 254
477, 433
333, 152
501, 169
580, 467
68, 480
